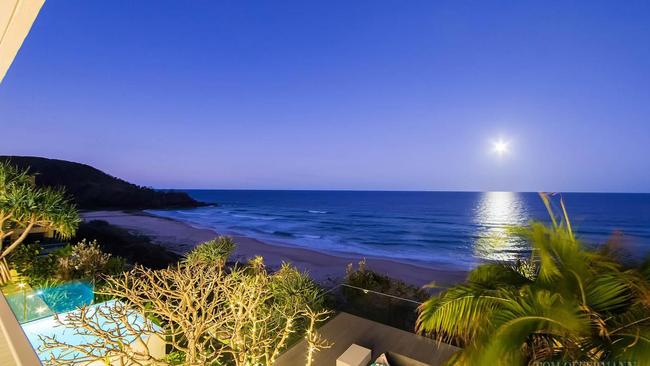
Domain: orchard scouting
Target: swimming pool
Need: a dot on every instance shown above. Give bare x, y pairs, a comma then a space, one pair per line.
67, 297
43, 302
49, 327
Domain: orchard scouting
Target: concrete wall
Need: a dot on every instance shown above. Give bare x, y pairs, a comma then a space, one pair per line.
15, 349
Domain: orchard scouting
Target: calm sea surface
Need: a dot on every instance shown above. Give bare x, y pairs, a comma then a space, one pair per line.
457, 229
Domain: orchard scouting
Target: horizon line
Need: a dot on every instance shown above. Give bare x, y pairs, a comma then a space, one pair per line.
390, 190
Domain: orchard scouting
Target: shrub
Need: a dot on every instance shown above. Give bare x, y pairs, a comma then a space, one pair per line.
29, 261
115, 266
135, 248
214, 252
398, 309
175, 358
85, 261
371, 280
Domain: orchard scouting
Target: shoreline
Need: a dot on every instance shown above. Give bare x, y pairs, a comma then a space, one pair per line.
289, 246
180, 237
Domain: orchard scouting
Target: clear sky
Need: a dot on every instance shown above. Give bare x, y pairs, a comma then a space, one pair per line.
397, 95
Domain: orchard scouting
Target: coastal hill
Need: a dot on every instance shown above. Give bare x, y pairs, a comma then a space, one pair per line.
93, 189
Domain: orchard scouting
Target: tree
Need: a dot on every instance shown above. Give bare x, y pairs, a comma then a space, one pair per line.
23, 206
242, 315
565, 302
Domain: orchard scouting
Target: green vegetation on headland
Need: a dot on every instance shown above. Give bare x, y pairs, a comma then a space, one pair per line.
92, 189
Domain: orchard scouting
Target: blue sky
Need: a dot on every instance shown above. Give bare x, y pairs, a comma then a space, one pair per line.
339, 94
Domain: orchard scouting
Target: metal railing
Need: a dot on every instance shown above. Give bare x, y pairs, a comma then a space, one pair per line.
390, 309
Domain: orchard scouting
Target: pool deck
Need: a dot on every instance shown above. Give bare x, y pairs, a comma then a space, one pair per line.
18, 284
347, 329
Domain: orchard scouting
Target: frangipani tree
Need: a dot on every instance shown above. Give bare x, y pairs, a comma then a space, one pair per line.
565, 303
23, 206
211, 314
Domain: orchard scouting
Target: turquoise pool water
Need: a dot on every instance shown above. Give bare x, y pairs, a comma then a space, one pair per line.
49, 327
46, 301
67, 297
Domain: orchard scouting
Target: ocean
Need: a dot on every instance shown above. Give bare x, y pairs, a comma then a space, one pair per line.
457, 230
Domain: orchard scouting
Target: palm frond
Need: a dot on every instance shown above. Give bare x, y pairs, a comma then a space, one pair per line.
497, 275
535, 313
461, 318
608, 292
632, 345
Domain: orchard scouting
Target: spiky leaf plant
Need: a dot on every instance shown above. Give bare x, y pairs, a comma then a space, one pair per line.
23, 206
215, 251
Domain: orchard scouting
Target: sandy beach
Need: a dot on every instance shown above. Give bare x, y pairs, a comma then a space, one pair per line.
180, 238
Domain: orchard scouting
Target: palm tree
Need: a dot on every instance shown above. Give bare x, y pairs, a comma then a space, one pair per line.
565, 302
23, 206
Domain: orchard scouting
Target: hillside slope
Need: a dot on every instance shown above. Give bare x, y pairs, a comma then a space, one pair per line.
93, 189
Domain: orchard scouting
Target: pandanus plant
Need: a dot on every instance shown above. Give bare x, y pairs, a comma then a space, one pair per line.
565, 302
23, 206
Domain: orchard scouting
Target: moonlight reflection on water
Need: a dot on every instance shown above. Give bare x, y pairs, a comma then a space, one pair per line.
495, 213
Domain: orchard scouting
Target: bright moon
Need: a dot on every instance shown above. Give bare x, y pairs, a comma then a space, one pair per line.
501, 147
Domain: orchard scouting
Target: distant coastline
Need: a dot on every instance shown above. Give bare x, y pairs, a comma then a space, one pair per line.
180, 237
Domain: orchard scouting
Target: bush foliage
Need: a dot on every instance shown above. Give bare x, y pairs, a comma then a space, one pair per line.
135, 248
398, 309
212, 252
82, 261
